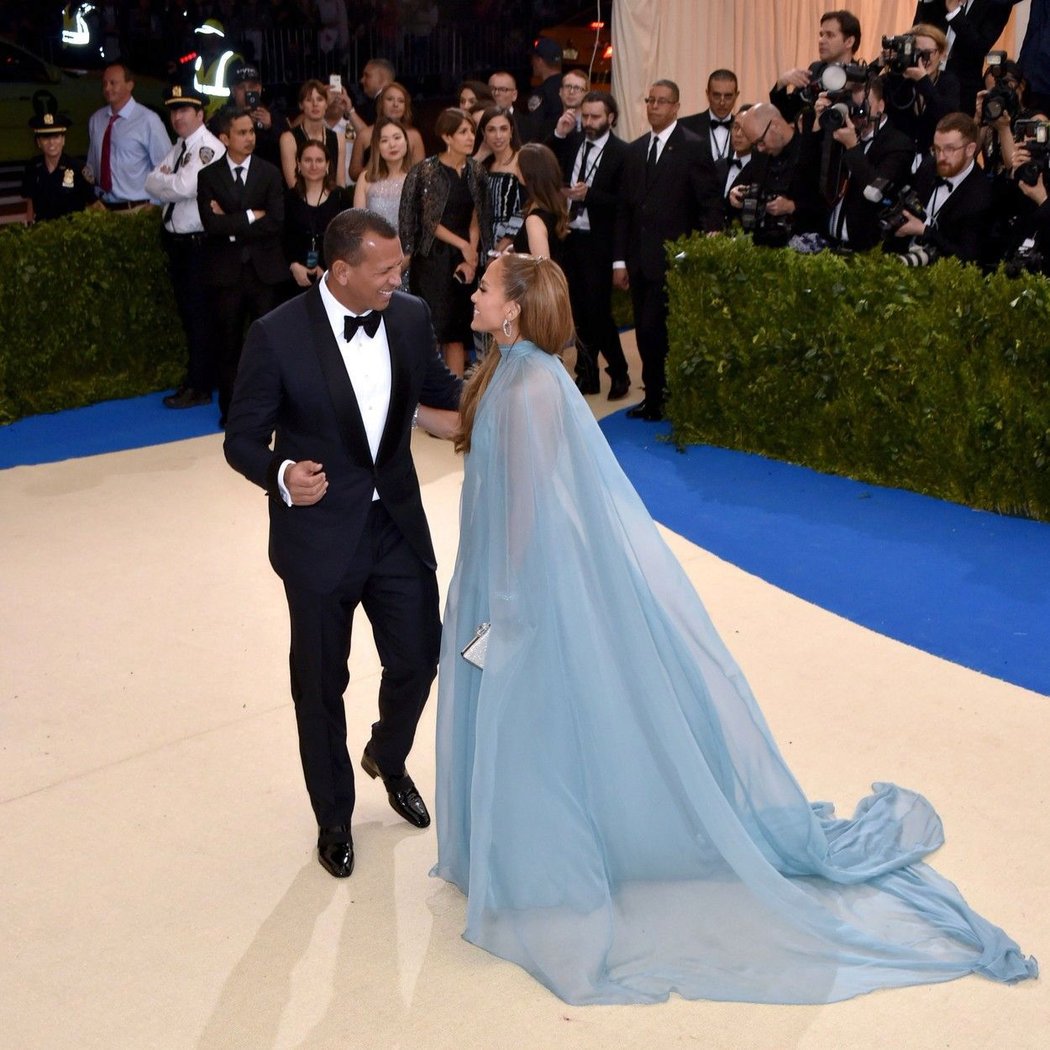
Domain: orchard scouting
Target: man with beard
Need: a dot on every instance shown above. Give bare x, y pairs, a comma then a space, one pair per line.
592, 166
957, 196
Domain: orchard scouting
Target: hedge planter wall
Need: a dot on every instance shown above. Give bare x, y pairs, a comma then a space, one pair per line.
86, 313
934, 379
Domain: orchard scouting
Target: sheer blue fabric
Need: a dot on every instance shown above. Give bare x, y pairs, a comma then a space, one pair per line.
610, 797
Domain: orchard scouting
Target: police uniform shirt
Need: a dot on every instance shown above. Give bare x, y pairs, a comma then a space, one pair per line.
179, 185
55, 193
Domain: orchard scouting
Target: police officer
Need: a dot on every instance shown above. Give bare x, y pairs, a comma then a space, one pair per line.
174, 182
53, 183
545, 104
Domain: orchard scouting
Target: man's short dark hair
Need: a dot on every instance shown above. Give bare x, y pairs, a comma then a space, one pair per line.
606, 100
345, 236
226, 116
848, 22
722, 74
384, 64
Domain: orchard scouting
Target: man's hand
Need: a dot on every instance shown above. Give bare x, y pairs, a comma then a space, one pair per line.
577, 192
796, 78
736, 196
911, 227
620, 279
780, 206
216, 207
566, 123
261, 116
306, 482
846, 136
259, 213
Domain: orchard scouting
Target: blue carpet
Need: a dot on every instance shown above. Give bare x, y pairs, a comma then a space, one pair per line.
107, 427
966, 585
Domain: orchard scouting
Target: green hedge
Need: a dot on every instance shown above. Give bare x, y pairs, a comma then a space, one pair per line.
934, 379
86, 313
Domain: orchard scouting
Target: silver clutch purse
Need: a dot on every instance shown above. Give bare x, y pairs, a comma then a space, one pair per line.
474, 651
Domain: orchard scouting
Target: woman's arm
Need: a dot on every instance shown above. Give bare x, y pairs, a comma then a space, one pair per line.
536, 231
287, 146
361, 192
357, 156
340, 165
416, 149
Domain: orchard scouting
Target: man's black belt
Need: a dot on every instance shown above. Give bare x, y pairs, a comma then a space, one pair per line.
186, 237
124, 205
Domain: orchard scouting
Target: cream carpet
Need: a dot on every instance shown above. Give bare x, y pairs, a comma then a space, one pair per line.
160, 887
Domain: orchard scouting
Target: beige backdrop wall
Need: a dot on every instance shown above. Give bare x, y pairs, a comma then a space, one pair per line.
686, 39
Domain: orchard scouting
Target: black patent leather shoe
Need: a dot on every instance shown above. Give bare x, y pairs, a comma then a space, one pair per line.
637, 411
652, 413
405, 800
187, 397
587, 386
335, 851
618, 389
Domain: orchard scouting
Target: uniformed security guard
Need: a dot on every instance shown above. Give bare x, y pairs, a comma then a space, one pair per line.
53, 183
174, 182
214, 65
544, 104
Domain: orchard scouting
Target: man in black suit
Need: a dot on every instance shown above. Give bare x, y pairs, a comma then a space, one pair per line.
872, 163
972, 27
336, 375
714, 124
241, 203
957, 195
669, 189
592, 167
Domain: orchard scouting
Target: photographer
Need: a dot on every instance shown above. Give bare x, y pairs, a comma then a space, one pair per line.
785, 199
998, 105
956, 198
837, 43
247, 93
873, 161
1027, 233
971, 27
917, 91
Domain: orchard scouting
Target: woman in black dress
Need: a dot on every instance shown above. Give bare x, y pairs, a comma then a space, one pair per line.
445, 226
497, 145
310, 206
546, 211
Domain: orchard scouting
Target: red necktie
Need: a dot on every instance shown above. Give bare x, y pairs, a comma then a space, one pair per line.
105, 176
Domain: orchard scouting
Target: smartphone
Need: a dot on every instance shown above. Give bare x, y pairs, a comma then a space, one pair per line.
335, 82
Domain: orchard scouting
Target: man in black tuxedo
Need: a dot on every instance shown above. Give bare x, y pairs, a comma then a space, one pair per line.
335, 375
669, 189
972, 27
957, 195
240, 199
714, 124
592, 169
741, 167
873, 162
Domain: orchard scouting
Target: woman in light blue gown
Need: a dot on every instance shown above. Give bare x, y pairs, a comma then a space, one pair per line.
609, 795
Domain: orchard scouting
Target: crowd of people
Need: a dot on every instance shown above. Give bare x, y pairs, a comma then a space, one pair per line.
935, 148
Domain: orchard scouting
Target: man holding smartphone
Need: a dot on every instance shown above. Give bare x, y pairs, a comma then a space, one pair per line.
247, 93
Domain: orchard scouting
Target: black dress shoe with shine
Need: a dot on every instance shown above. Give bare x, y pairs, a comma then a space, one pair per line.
335, 850
187, 397
637, 411
405, 800
587, 386
652, 413
618, 388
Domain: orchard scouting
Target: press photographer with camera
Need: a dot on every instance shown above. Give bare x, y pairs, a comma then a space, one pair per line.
917, 91
998, 105
954, 197
971, 28
873, 161
838, 40
785, 198
1027, 232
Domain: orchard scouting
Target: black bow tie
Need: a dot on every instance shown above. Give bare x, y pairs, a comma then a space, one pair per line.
945, 184
727, 123
369, 322
736, 162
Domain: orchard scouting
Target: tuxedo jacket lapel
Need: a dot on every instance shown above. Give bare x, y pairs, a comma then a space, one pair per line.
340, 389
398, 339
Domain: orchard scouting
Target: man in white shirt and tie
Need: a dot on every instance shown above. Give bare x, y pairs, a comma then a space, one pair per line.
714, 124
335, 379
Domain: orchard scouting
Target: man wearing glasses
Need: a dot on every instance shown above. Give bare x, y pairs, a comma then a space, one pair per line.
957, 196
670, 188
574, 86
504, 90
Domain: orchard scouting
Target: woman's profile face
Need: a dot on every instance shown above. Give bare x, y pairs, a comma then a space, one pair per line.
462, 139
314, 105
313, 164
491, 306
393, 103
393, 146
497, 134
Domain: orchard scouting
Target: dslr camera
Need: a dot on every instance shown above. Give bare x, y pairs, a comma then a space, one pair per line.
833, 78
892, 217
1038, 162
755, 219
900, 52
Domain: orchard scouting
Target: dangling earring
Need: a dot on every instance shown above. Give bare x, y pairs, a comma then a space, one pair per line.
507, 330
